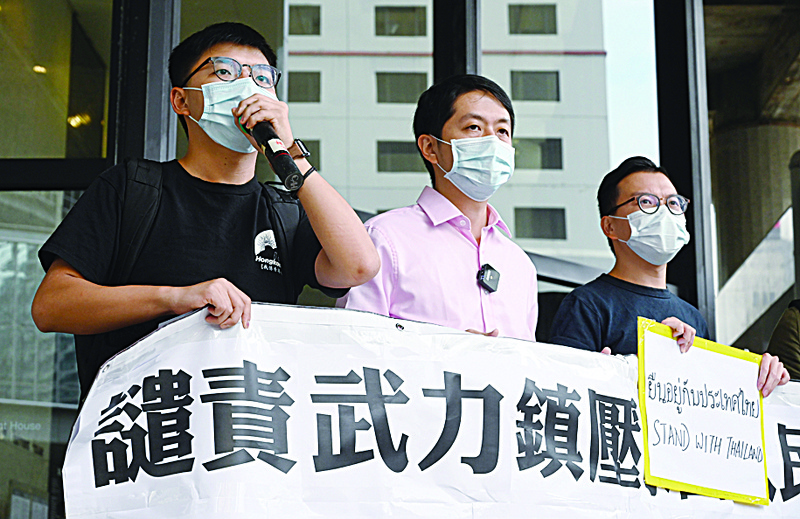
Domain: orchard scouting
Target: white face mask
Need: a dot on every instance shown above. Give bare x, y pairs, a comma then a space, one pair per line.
480, 165
657, 237
219, 98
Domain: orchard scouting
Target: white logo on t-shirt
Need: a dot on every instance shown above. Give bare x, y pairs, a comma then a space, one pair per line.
265, 239
266, 250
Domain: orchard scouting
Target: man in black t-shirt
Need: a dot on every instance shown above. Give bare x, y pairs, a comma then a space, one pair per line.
642, 215
214, 242
785, 340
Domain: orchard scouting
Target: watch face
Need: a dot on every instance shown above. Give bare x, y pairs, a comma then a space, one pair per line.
293, 182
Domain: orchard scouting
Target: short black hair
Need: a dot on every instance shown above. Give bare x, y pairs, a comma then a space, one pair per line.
608, 193
184, 57
437, 104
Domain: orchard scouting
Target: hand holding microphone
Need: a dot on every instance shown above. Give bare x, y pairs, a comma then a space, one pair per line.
271, 145
279, 158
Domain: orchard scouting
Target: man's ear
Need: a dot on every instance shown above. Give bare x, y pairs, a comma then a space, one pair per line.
426, 144
608, 225
177, 99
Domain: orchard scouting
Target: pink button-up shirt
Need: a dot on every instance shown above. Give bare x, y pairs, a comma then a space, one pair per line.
429, 267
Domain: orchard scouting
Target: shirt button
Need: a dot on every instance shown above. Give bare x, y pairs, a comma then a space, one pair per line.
462, 223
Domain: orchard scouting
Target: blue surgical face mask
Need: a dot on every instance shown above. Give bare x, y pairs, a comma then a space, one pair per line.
656, 237
480, 165
219, 98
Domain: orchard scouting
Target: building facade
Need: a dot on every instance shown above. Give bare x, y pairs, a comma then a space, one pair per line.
84, 87
354, 71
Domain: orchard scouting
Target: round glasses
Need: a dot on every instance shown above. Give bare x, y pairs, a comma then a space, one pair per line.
228, 69
649, 203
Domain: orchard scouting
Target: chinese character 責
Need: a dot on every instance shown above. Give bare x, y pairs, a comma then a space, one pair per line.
248, 415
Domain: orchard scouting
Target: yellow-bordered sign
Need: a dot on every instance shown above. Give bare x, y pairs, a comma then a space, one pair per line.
673, 395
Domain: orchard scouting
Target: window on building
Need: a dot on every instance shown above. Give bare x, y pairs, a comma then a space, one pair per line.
314, 147
48, 54
304, 20
304, 87
532, 19
540, 223
538, 153
399, 156
534, 85
400, 21
400, 87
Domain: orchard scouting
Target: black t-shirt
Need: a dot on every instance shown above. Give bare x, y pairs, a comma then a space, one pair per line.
603, 313
202, 231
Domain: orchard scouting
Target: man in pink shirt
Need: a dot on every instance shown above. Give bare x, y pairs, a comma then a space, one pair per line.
448, 259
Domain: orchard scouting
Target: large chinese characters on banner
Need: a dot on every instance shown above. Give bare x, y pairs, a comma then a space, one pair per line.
335, 413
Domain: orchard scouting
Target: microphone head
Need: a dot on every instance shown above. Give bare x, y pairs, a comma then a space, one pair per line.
245, 130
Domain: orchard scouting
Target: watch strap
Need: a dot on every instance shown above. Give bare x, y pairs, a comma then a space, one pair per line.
310, 171
298, 150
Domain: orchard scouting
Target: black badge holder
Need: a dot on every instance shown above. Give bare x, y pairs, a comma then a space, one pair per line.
488, 278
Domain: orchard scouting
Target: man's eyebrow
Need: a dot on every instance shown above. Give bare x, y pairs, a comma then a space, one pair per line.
479, 117
637, 193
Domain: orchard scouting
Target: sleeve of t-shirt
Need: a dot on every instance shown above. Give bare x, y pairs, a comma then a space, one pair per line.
702, 330
692, 316
375, 295
87, 237
577, 324
785, 341
305, 250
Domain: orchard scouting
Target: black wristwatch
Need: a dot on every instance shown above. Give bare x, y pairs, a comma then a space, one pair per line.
300, 146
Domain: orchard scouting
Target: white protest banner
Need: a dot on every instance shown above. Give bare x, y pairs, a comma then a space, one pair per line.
704, 421
335, 413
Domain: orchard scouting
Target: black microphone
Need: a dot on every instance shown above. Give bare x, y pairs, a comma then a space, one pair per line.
279, 158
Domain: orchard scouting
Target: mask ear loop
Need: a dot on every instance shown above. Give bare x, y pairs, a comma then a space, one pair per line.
454, 156
190, 115
622, 218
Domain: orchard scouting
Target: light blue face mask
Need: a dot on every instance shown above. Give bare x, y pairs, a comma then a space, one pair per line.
480, 165
219, 98
656, 237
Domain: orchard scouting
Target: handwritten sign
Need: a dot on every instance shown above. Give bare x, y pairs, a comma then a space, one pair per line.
703, 417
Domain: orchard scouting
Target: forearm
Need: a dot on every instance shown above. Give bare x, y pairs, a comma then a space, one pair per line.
348, 257
69, 304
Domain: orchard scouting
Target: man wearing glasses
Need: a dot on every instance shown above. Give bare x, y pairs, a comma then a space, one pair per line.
215, 241
643, 218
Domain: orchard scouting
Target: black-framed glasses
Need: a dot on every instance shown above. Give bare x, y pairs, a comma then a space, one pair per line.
649, 203
228, 69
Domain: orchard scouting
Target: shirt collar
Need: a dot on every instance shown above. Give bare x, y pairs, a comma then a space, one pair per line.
439, 210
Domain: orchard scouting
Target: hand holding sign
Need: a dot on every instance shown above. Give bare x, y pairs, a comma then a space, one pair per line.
771, 374
681, 332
